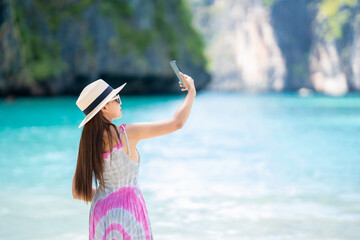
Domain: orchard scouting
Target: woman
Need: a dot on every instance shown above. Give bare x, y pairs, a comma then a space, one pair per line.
108, 154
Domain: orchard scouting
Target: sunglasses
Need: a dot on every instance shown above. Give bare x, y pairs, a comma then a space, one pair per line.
116, 98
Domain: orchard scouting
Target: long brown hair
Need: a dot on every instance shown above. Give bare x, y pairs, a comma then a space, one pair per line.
90, 156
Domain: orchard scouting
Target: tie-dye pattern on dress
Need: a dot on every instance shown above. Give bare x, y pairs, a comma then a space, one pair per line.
119, 211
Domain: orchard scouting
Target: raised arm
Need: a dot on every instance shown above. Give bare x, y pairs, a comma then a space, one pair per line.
143, 130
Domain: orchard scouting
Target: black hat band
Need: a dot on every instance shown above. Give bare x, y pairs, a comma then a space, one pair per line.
98, 100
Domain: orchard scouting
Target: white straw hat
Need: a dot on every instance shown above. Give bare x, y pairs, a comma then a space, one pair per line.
94, 96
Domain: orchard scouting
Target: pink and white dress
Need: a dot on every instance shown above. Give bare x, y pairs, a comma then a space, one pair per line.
119, 211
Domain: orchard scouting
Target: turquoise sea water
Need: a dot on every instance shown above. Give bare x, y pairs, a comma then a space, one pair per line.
275, 166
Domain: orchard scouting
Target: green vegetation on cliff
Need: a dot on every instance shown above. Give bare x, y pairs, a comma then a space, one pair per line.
161, 29
37, 23
269, 3
40, 53
336, 14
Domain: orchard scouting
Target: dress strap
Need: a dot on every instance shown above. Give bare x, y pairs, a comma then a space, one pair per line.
122, 126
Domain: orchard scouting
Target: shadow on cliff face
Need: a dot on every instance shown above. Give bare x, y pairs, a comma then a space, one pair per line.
292, 25
2, 12
137, 84
151, 84
140, 85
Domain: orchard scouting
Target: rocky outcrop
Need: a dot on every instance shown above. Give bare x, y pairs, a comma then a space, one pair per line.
281, 44
354, 74
241, 45
334, 60
257, 52
326, 74
58, 47
326, 70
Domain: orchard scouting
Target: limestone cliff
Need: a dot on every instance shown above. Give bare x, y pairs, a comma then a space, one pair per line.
282, 45
335, 55
57, 47
240, 44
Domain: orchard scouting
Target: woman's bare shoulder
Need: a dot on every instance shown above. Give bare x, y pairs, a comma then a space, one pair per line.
129, 126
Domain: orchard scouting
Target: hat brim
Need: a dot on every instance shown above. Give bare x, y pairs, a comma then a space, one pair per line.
101, 104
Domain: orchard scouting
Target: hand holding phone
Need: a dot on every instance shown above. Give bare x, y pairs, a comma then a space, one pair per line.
177, 70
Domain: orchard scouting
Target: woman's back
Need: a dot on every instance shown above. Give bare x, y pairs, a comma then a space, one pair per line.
120, 205
130, 150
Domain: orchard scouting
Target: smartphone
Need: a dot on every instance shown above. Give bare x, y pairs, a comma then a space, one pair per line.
177, 69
